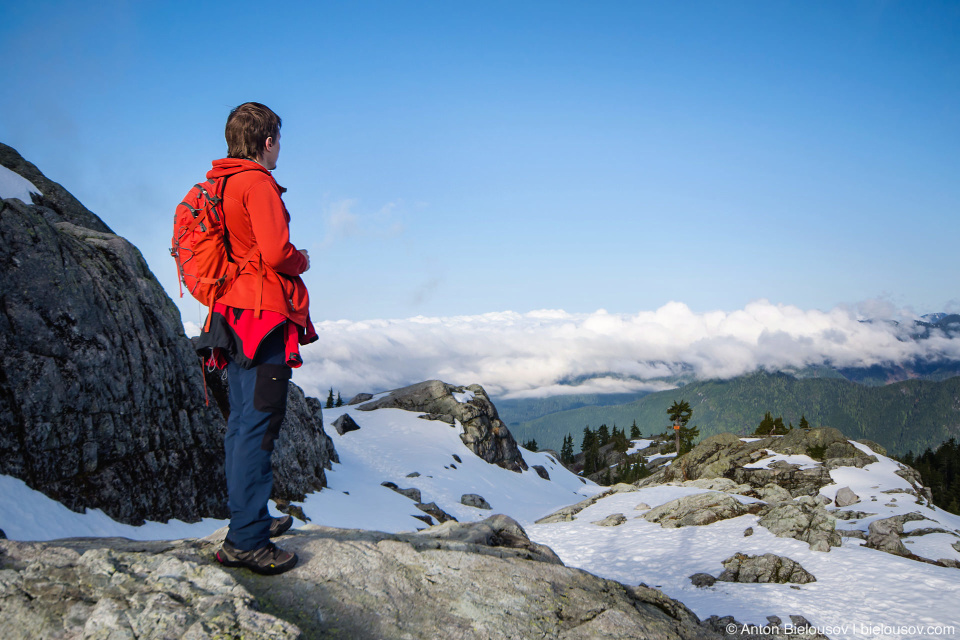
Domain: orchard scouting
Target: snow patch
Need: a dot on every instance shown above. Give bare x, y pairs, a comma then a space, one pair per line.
466, 396
13, 185
805, 462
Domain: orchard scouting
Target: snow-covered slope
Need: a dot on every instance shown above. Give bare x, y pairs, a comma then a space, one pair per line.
859, 592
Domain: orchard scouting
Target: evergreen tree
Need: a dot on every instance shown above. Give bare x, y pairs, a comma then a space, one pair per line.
766, 425
778, 426
603, 435
589, 437
566, 451
940, 471
531, 445
803, 422
330, 399
634, 431
680, 414
592, 460
687, 436
619, 439
339, 402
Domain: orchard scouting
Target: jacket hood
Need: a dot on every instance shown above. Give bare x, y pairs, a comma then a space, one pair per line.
230, 166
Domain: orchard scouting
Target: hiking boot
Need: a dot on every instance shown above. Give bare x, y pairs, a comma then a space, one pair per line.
280, 525
268, 560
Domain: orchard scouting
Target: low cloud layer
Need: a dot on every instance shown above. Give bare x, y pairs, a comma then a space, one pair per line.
551, 352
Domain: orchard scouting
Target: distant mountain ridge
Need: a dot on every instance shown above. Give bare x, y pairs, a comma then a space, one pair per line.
903, 416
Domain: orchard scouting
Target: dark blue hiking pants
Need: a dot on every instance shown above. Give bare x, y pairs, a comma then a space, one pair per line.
258, 402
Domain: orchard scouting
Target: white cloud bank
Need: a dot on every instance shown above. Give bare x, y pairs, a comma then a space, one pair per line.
552, 352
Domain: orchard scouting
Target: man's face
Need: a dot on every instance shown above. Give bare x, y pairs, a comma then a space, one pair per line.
271, 153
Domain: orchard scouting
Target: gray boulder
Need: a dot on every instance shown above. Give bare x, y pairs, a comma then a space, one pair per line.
702, 580
495, 531
846, 497
768, 568
345, 424
360, 397
431, 509
412, 492
698, 509
774, 493
541, 471
483, 431
100, 390
804, 519
474, 500
613, 520
884, 534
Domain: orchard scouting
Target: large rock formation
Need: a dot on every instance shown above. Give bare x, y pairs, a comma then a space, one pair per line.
100, 391
349, 584
101, 394
483, 431
727, 456
766, 568
805, 519
699, 509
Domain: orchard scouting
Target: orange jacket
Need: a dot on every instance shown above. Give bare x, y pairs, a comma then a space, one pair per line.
255, 216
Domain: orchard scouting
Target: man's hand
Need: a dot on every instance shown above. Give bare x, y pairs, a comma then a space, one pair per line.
307, 256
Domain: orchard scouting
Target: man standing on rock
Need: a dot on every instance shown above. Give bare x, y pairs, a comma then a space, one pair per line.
255, 331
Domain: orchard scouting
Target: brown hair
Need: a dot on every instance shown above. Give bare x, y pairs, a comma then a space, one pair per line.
248, 127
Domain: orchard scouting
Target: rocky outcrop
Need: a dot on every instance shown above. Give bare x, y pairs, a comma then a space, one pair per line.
431, 509
884, 534
805, 519
349, 583
100, 390
766, 568
789, 477
412, 492
699, 509
612, 520
51, 591
345, 424
912, 476
727, 456
360, 397
474, 500
483, 431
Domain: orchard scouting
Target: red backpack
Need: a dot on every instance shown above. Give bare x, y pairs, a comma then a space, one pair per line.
200, 245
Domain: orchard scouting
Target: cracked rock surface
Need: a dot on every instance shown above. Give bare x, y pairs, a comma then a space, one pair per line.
349, 583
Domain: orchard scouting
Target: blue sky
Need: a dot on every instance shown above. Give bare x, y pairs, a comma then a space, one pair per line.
449, 159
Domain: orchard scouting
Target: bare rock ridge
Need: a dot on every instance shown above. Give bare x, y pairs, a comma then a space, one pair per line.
350, 584
101, 394
483, 431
